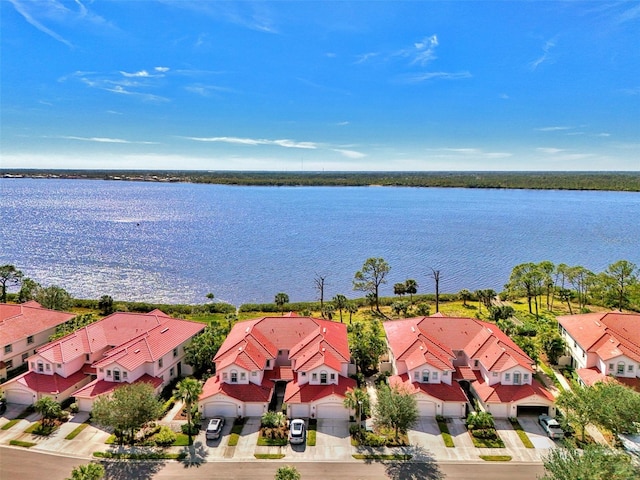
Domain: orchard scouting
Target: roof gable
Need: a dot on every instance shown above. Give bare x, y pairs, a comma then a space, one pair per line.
19, 321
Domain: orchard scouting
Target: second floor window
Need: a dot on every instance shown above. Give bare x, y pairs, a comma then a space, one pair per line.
323, 377
160, 363
29, 339
175, 352
234, 377
8, 349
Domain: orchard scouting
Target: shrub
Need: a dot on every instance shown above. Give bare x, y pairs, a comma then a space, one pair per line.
164, 437
372, 440
193, 429
73, 408
486, 433
273, 420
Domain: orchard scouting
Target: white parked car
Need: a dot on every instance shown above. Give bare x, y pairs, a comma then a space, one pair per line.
297, 431
551, 427
214, 428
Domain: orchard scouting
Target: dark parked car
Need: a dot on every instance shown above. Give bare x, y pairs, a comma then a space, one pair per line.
3, 405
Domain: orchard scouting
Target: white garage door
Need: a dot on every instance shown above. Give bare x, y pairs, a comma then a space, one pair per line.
218, 409
254, 409
299, 410
332, 410
498, 410
18, 396
452, 409
426, 409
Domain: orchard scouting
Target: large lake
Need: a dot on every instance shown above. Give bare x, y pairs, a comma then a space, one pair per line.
176, 242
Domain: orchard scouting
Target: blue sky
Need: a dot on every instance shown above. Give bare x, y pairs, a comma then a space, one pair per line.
180, 84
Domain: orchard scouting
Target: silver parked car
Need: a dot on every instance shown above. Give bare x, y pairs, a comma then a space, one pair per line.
297, 431
551, 427
214, 428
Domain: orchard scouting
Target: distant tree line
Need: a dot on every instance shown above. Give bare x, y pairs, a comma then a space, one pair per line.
612, 181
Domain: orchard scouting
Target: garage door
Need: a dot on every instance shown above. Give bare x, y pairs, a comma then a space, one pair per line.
498, 410
452, 409
254, 409
299, 411
17, 396
332, 410
426, 409
220, 410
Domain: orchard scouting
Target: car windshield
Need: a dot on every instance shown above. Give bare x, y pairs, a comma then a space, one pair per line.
296, 429
553, 426
213, 424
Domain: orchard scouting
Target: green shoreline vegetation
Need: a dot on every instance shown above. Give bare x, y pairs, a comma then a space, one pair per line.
605, 181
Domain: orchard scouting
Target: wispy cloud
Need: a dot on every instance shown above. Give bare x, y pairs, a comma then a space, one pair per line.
425, 76
206, 90
349, 153
286, 143
104, 140
424, 50
135, 84
549, 150
553, 128
30, 10
546, 48
468, 152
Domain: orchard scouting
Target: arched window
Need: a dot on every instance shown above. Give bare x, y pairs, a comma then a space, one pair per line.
425, 375
234, 376
323, 377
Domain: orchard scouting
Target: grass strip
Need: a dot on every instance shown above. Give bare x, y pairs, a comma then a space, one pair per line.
182, 440
268, 456
524, 438
141, 456
375, 456
236, 431
446, 436
76, 431
20, 443
496, 458
311, 435
10, 423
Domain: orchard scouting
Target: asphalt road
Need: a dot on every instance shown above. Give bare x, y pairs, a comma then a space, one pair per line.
18, 464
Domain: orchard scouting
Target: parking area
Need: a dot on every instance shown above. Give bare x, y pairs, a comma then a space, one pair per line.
536, 434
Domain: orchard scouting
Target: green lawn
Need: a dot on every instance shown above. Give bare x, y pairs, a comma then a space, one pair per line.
10, 423
487, 442
141, 456
76, 431
373, 456
446, 436
269, 456
20, 443
311, 435
39, 429
521, 433
496, 458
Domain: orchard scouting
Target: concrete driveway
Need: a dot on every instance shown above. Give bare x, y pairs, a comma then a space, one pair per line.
536, 434
332, 443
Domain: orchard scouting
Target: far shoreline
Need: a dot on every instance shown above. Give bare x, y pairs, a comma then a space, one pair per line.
628, 181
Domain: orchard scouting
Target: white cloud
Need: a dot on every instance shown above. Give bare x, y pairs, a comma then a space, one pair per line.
29, 10
425, 50
162, 69
349, 153
553, 129
104, 140
546, 48
423, 77
549, 150
256, 141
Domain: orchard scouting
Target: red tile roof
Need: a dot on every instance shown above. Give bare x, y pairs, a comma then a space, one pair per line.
243, 392
464, 373
609, 334
279, 373
591, 376
101, 387
20, 321
310, 341
439, 336
499, 393
49, 384
441, 391
109, 332
151, 345
296, 393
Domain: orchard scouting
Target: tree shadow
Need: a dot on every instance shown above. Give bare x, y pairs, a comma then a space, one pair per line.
196, 455
421, 466
126, 469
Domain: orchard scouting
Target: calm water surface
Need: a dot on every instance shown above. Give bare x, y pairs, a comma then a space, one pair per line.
176, 242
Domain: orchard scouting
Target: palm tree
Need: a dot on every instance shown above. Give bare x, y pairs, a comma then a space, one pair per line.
411, 287
49, 409
90, 471
340, 302
188, 390
357, 399
288, 472
465, 295
351, 308
280, 300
